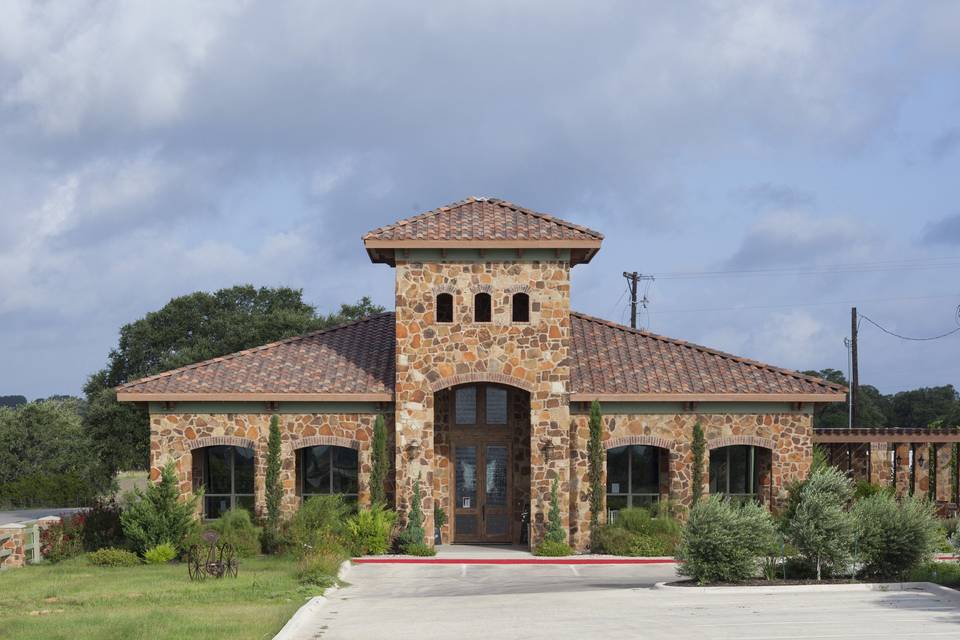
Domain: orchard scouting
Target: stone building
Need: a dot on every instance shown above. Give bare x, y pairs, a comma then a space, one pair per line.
485, 378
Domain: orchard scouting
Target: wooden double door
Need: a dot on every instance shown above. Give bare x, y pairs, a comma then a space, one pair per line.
482, 483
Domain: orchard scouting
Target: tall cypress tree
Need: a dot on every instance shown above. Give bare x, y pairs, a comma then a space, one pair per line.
595, 458
274, 489
699, 448
380, 466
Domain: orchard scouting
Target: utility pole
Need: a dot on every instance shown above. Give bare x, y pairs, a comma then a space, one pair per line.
854, 373
632, 278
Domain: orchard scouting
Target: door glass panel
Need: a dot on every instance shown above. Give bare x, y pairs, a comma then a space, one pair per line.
496, 477
466, 524
243, 470
466, 401
496, 405
497, 523
466, 477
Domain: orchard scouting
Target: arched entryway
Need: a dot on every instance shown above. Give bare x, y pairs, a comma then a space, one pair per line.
482, 449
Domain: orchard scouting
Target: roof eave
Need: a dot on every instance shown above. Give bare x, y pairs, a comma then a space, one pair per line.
383, 251
709, 397
132, 396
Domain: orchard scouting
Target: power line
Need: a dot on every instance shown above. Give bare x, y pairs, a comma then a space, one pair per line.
806, 304
918, 264
897, 335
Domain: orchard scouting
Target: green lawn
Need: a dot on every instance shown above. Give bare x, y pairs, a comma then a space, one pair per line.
74, 600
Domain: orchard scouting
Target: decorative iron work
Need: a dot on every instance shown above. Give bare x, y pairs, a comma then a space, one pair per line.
215, 559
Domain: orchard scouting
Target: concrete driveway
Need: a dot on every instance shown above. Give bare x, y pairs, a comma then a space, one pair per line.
600, 601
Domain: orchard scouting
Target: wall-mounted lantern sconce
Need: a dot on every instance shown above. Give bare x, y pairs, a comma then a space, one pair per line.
413, 448
898, 460
921, 461
546, 445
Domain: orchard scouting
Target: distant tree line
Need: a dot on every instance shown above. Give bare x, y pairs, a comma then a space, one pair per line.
80, 444
923, 407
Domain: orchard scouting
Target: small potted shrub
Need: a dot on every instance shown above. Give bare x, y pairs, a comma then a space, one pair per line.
439, 519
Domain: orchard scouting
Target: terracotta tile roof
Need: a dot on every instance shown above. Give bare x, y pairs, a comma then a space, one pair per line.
611, 359
355, 359
482, 222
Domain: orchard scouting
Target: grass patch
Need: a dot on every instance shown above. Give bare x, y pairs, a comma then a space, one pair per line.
73, 600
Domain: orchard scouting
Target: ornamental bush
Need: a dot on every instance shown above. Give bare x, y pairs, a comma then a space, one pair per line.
274, 490
555, 532
722, 541
160, 554
370, 531
552, 548
419, 549
102, 526
319, 568
636, 532
413, 533
319, 525
236, 527
157, 515
819, 527
61, 540
110, 557
894, 538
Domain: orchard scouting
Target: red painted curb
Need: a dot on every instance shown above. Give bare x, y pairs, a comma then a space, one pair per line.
513, 561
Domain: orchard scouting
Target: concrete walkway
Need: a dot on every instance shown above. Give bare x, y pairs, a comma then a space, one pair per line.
467, 602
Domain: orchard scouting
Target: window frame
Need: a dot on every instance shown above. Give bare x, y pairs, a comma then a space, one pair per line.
752, 473
302, 479
232, 495
629, 494
489, 299
480, 418
526, 307
436, 313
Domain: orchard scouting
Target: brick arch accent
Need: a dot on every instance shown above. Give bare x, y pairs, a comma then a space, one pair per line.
466, 378
651, 441
482, 288
446, 287
331, 441
518, 288
216, 441
756, 441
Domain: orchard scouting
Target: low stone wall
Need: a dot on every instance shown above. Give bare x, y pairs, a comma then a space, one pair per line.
18, 539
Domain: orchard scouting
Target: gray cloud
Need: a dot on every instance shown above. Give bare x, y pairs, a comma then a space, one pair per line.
945, 143
768, 195
943, 231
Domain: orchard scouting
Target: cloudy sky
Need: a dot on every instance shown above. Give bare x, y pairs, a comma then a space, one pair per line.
795, 157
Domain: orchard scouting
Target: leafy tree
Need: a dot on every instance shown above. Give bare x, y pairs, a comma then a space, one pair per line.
189, 329
595, 458
699, 447
45, 457
927, 406
380, 463
892, 537
157, 515
12, 401
820, 528
274, 489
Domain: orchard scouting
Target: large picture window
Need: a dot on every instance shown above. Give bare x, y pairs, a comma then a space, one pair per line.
227, 480
327, 469
734, 471
633, 476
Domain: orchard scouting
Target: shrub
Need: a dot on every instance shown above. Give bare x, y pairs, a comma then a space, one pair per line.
595, 457
722, 541
819, 527
319, 568
553, 549
615, 540
236, 527
61, 540
413, 533
555, 532
319, 525
864, 489
419, 549
157, 515
945, 573
111, 557
439, 518
637, 533
160, 554
102, 526
894, 538
274, 490
698, 447
370, 531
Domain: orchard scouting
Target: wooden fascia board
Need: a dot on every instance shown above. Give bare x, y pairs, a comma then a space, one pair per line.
485, 244
860, 438
708, 397
126, 396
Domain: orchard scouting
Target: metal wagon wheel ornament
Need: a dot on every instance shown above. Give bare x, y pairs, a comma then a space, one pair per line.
215, 559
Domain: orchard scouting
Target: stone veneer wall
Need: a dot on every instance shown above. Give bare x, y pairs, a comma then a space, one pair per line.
173, 437
787, 434
532, 356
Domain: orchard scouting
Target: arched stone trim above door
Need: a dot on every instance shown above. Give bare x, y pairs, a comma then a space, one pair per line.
755, 441
321, 441
217, 441
466, 378
650, 441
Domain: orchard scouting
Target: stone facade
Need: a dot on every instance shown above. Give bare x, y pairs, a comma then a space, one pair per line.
174, 436
787, 435
432, 356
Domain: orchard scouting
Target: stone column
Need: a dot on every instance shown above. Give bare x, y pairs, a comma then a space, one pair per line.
944, 472
16, 544
902, 462
921, 475
880, 469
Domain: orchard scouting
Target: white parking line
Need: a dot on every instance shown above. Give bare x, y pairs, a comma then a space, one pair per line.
574, 569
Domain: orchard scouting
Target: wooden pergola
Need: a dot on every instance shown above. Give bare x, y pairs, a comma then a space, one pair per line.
902, 457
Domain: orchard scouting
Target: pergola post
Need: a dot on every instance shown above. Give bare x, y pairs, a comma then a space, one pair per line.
880, 472
921, 466
902, 462
944, 485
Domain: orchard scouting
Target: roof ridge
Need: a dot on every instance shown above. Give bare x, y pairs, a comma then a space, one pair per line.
243, 352
493, 200
708, 350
